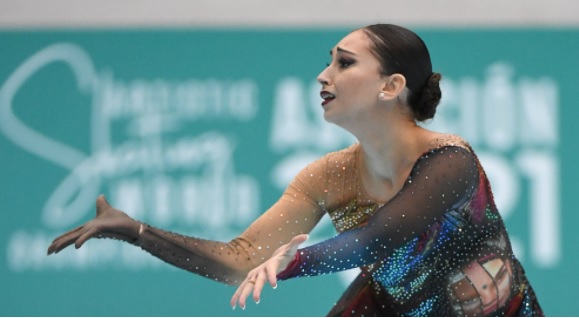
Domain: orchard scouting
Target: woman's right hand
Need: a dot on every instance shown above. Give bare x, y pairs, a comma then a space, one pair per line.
108, 223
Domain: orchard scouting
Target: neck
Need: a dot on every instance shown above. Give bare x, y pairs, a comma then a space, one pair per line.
389, 152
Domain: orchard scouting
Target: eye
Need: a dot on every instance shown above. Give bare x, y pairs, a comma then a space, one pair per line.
344, 63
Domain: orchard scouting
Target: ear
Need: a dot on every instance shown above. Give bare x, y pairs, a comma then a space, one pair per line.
393, 86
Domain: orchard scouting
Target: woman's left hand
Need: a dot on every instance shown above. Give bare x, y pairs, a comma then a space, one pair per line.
257, 277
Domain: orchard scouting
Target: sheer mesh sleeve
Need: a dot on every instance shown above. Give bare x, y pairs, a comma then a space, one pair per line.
296, 212
441, 180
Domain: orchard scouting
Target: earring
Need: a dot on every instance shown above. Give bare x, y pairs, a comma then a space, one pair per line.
381, 95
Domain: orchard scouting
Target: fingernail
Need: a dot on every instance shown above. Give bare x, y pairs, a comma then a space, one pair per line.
275, 287
233, 308
242, 307
257, 302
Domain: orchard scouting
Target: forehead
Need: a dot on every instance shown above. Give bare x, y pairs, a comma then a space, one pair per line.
356, 42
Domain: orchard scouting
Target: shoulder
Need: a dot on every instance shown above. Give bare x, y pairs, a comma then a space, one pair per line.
448, 140
315, 176
347, 154
441, 150
339, 159
343, 159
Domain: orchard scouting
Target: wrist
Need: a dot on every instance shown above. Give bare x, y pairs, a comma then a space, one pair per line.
136, 230
291, 269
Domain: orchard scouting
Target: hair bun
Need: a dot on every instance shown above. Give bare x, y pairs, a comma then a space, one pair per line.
425, 101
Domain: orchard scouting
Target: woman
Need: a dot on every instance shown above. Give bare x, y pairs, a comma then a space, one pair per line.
413, 207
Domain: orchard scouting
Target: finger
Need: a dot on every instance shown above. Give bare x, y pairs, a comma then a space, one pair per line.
245, 293
237, 294
298, 240
86, 236
64, 240
101, 204
68, 233
259, 282
235, 297
61, 244
272, 275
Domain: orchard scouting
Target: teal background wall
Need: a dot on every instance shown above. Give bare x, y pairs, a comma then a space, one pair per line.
198, 131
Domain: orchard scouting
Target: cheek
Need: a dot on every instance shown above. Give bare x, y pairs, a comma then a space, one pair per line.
360, 83
359, 95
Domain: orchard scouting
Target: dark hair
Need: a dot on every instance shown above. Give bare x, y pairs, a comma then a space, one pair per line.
402, 51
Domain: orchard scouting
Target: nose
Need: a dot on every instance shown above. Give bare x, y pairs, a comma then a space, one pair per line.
323, 77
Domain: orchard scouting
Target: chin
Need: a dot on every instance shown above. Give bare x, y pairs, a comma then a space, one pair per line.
328, 117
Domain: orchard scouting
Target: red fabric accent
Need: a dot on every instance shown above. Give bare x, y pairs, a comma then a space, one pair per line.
514, 305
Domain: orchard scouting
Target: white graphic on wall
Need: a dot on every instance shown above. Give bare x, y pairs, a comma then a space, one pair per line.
157, 172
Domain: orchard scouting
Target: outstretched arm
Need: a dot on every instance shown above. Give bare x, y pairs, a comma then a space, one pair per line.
441, 180
296, 212
229, 262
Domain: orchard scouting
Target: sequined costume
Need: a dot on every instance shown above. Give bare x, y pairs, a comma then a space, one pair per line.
438, 247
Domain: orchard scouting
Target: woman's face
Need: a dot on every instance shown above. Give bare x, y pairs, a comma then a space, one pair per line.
351, 82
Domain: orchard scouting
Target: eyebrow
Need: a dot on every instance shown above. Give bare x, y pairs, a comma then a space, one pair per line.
339, 49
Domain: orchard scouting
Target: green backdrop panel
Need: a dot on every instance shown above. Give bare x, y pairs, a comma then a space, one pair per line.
199, 131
